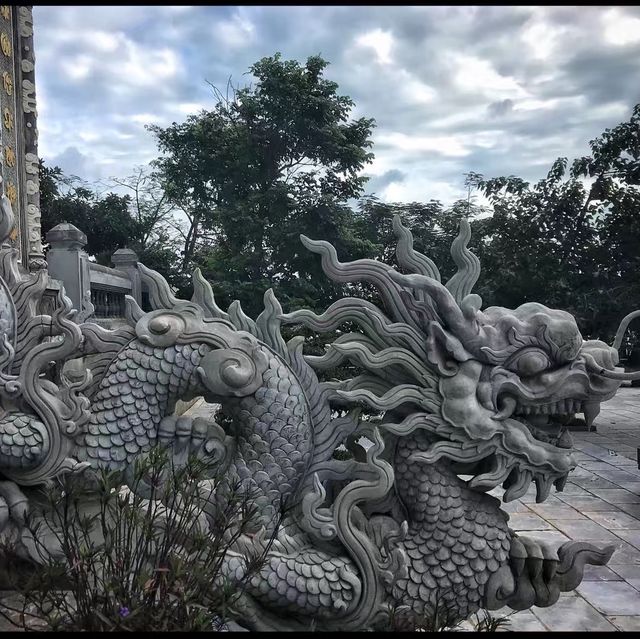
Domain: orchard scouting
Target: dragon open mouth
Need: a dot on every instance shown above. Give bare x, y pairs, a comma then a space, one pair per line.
547, 425
547, 422
543, 438
494, 471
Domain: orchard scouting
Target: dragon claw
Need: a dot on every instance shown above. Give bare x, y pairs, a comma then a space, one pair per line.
539, 577
192, 436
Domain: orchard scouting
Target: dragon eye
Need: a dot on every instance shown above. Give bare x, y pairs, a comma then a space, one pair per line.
529, 362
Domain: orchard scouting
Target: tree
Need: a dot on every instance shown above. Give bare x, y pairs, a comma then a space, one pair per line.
141, 221
570, 240
157, 227
274, 160
105, 220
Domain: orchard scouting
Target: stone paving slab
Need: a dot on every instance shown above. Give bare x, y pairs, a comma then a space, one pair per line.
572, 612
611, 597
600, 503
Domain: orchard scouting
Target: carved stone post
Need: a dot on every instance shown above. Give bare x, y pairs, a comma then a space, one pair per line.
18, 131
69, 263
126, 260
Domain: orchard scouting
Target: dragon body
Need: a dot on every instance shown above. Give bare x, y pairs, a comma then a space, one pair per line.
467, 401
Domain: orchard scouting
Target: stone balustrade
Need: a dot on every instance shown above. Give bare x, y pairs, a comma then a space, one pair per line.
97, 291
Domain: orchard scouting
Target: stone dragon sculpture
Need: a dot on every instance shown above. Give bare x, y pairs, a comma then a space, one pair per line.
466, 401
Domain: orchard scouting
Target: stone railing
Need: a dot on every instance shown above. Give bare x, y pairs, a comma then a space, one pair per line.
98, 292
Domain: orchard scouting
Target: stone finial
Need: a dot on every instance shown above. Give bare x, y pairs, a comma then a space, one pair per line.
124, 257
67, 236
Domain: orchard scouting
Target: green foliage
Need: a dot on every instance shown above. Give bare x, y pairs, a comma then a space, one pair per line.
440, 615
486, 622
275, 160
282, 157
105, 220
569, 241
342, 454
139, 221
434, 227
115, 560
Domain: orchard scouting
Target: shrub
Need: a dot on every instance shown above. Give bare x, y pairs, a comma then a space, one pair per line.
147, 556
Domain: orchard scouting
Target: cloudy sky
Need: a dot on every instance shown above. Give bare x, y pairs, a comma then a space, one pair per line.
498, 90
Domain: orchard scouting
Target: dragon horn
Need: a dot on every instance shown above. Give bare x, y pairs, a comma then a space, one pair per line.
444, 301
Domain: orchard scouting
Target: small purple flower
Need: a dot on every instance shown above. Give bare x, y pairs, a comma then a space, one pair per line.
124, 611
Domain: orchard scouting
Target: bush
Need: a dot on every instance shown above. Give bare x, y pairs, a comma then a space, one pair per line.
440, 615
147, 556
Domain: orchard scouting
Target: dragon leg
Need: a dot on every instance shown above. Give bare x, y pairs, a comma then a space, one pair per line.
309, 584
537, 572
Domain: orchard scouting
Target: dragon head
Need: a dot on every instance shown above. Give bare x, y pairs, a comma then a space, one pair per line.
517, 377
494, 388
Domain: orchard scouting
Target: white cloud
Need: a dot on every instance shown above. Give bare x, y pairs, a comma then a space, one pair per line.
497, 90
418, 188
237, 32
380, 41
620, 29
78, 68
103, 41
543, 38
474, 74
188, 108
413, 90
145, 118
441, 144
146, 67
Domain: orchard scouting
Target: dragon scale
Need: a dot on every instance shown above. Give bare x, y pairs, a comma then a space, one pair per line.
460, 401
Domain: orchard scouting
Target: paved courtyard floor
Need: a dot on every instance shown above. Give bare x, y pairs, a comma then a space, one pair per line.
600, 504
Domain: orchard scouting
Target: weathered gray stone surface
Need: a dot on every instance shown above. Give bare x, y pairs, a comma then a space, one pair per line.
467, 401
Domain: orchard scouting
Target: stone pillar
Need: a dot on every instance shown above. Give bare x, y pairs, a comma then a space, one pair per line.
18, 132
70, 264
126, 260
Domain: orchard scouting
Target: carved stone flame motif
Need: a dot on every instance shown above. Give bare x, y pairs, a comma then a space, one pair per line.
467, 400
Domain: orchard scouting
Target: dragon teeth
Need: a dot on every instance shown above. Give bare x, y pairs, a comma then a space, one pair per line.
493, 478
543, 487
591, 410
521, 480
561, 482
